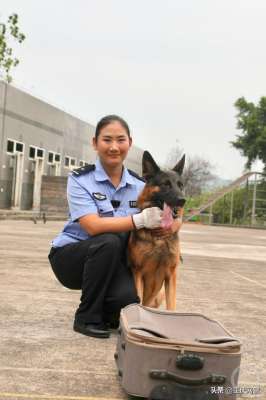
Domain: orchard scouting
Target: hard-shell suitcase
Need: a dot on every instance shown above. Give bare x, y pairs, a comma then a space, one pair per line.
165, 355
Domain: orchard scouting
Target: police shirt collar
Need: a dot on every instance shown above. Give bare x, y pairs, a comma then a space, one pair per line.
128, 178
101, 175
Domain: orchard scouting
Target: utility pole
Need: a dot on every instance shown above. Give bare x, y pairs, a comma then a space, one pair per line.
210, 215
3, 120
231, 207
253, 212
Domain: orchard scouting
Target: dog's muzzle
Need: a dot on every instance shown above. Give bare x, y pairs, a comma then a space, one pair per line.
180, 202
171, 198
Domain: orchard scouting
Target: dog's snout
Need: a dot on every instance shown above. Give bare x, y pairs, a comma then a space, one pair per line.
181, 202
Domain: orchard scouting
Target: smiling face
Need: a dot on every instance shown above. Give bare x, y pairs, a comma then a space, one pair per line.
112, 144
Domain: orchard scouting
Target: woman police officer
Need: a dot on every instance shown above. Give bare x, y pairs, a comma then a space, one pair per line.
90, 253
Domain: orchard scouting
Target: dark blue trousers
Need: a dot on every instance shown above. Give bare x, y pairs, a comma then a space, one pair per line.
98, 267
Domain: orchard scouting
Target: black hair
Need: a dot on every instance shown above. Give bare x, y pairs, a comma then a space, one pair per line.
109, 119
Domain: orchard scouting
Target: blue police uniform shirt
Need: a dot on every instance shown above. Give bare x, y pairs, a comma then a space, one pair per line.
92, 193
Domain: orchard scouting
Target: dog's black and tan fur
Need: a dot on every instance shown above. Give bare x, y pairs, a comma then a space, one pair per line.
154, 260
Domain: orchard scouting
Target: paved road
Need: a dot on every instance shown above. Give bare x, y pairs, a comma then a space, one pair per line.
223, 276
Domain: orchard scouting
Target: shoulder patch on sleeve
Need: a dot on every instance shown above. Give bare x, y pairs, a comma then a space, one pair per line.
83, 170
136, 175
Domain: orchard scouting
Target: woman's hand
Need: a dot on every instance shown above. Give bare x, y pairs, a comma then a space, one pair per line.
149, 218
166, 232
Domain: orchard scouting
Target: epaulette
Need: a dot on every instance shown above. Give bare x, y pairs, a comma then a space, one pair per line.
136, 175
83, 170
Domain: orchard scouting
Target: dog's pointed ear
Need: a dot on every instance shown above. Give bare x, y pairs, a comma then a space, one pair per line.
180, 165
149, 166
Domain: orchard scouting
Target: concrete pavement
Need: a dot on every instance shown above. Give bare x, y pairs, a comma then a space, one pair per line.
41, 357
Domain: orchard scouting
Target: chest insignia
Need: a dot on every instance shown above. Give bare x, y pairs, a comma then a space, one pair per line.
115, 203
99, 196
132, 204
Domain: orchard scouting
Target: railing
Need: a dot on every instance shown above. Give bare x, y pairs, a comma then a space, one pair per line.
214, 197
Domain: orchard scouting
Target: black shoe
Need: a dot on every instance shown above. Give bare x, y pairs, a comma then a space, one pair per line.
98, 330
112, 320
114, 325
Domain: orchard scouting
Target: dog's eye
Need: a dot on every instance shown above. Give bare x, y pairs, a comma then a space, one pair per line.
180, 185
167, 184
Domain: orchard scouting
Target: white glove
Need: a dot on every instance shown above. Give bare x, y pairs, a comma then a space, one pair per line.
148, 218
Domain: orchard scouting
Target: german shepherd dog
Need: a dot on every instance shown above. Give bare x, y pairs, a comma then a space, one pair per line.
153, 259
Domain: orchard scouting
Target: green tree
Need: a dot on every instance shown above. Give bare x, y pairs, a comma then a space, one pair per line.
9, 32
251, 119
242, 206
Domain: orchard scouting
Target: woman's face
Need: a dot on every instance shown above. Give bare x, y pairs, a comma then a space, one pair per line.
112, 144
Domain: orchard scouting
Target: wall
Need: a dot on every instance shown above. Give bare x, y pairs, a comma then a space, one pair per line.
27, 119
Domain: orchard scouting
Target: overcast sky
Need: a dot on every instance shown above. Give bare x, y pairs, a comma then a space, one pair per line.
173, 69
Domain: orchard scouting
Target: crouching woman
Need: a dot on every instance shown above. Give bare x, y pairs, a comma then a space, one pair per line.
90, 253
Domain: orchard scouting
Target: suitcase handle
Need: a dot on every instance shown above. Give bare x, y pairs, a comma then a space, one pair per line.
218, 340
163, 374
149, 330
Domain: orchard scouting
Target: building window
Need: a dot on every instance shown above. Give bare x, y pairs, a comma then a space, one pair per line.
50, 157
53, 157
36, 152
83, 163
14, 147
10, 146
57, 157
32, 152
40, 153
70, 162
67, 161
19, 147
